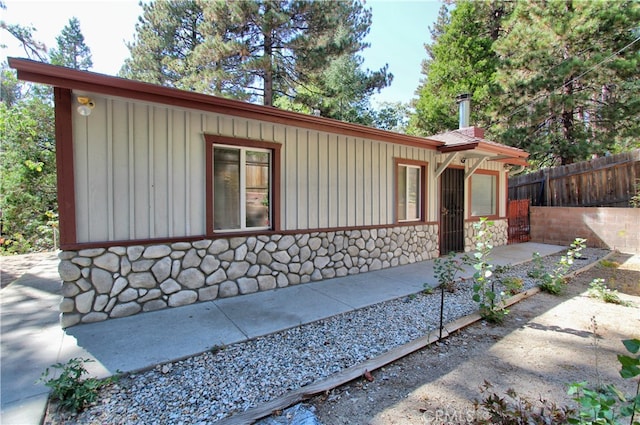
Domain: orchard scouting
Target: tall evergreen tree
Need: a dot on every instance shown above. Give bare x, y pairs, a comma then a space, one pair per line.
246, 49
460, 60
72, 52
569, 78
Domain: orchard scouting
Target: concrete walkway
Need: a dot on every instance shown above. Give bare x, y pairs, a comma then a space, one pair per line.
32, 339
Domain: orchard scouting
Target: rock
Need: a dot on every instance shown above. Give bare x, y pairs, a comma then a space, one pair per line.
84, 301
209, 264
247, 285
142, 265
170, 286
183, 298
102, 280
123, 310
228, 289
192, 259
191, 278
118, 286
241, 253
162, 269
108, 261
154, 305
68, 271
208, 293
142, 280
266, 282
156, 251
127, 295
218, 246
93, 252
237, 270
134, 252
217, 277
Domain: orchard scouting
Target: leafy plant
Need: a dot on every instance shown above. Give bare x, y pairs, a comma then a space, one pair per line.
72, 392
490, 306
556, 281
515, 409
537, 269
512, 285
446, 270
607, 404
598, 289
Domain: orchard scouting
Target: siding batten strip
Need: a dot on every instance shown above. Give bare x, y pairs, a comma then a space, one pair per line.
110, 173
132, 174
150, 171
170, 201
187, 167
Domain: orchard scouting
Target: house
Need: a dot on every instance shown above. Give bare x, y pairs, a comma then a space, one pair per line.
168, 197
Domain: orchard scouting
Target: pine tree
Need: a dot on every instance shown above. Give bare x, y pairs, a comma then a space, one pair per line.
72, 52
248, 49
569, 78
460, 60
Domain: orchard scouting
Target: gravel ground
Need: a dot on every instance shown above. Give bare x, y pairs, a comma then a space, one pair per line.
209, 387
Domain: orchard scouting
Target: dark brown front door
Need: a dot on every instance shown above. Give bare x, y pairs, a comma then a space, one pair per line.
451, 211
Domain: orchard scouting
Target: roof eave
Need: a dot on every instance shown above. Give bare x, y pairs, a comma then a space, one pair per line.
57, 76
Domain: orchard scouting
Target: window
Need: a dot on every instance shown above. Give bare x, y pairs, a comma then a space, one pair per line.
484, 194
241, 184
409, 190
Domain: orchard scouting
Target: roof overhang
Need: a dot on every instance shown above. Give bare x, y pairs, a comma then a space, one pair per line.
57, 76
470, 146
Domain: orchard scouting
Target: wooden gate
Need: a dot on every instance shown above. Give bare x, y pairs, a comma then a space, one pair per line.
451, 211
518, 216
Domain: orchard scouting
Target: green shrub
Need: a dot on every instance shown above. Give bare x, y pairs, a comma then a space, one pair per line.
598, 289
72, 392
555, 282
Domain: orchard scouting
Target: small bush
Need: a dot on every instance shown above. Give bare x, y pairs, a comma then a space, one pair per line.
72, 392
513, 285
598, 289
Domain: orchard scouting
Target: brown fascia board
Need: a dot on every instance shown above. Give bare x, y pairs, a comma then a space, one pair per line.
515, 156
57, 76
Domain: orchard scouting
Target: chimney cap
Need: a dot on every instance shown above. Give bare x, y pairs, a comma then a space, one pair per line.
462, 97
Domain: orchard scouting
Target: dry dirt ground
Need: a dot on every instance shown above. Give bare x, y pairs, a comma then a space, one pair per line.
546, 343
14, 266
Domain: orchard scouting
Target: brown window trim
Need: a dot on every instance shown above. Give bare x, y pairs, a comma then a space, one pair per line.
275, 148
424, 166
497, 202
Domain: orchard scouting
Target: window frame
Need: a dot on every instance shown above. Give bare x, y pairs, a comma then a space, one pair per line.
274, 195
422, 207
496, 175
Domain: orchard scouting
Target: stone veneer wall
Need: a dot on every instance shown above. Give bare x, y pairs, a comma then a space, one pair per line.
103, 283
499, 233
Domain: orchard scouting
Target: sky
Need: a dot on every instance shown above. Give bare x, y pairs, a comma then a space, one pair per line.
399, 31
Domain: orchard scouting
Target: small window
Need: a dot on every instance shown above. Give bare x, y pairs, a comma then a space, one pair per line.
484, 194
410, 191
241, 188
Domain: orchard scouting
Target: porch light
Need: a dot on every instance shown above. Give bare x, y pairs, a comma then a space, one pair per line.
86, 105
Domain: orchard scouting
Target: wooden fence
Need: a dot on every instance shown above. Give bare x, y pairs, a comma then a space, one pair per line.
610, 181
518, 219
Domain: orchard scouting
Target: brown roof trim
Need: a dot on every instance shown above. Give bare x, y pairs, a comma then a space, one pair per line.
458, 147
57, 76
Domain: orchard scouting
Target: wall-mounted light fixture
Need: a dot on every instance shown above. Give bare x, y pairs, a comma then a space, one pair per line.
86, 105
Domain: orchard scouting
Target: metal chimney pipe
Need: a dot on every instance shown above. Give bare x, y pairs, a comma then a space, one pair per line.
464, 109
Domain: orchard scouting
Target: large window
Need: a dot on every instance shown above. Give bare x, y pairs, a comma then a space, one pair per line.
410, 191
484, 195
241, 187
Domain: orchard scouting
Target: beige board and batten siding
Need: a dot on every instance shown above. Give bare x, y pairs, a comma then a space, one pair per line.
140, 172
